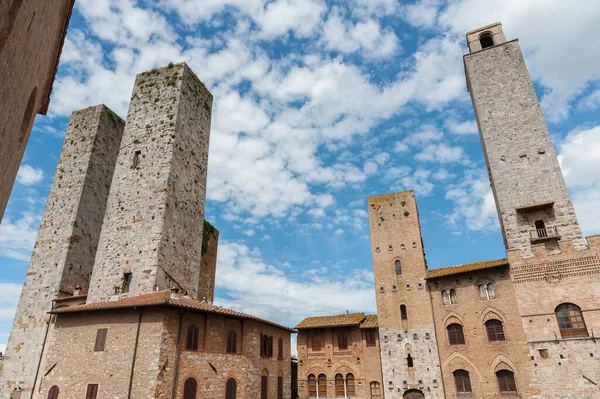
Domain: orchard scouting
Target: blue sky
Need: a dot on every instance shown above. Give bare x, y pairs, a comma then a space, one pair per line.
318, 105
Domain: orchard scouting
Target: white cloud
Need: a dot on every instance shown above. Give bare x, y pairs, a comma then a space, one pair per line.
422, 13
9, 299
473, 203
466, 127
29, 175
442, 153
17, 238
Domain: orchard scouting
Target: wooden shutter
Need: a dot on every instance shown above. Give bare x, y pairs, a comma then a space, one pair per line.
230, 390
322, 386
189, 389
350, 389
312, 386
53, 393
100, 339
342, 342
263, 387
231, 342
279, 387
191, 342
339, 386
270, 354
280, 349
92, 391
456, 335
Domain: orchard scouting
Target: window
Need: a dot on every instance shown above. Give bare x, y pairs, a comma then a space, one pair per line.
398, 267
264, 385
189, 389
487, 291
449, 297
495, 331
322, 386
231, 341
350, 391
126, 283
316, 342
409, 361
342, 342
280, 386
371, 336
53, 393
230, 389
312, 386
462, 381
375, 390
340, 388
92, 391
137, 159
540, 227
570, 321
486, 39
100, 339
403, 313
506, 381
266, 345
280, 349
192, 338
456, 335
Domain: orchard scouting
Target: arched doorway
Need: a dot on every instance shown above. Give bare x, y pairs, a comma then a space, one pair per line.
413, 394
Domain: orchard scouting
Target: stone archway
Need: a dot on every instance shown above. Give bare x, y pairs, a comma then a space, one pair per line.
413, 394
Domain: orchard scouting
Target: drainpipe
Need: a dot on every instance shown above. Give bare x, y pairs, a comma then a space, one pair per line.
37, 371
137, 338
177, 352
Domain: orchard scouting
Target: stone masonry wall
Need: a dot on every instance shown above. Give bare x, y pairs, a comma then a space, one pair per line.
64, 251
208, 267
396, 235
154, 217
521, 160
31, 38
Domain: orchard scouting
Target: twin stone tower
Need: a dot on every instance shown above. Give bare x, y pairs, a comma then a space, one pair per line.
111, 227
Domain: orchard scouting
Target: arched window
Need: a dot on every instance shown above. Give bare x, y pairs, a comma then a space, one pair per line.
506, 381
230, 389
280, 385
403, 313
462, 381
409, 361
316, 342
350, 390
192, 338
322, 386
495, 331
456, 335
340, 388
342, 342
398, 267
53, 392
487, 291
445, 297
312, 386
486, 39
280, 349
570, 321
375, 390
231, 341
453, 296
189, 389
264, 384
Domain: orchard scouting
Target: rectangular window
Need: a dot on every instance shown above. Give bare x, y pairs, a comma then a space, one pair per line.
100, 339
371, 337
279, 387
126, 283
137, 159
92, 391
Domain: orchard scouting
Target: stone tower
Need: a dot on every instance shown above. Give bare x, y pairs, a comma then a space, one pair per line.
556, 276
530, 192
409, 353
66, 243
152, 232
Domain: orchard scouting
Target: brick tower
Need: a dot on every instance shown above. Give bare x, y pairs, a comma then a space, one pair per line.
555, 274
409, 354
66, 243
152, 232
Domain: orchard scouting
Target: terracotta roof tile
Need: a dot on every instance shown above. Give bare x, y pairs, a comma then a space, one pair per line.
370, 321
468, 267
347, 319
164, 298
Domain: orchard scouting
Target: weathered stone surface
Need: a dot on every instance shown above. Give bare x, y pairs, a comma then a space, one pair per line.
208, 267
65, 248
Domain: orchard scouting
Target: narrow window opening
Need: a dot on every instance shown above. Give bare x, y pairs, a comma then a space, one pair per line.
126, 283
137, 158
231, 341
398, 267
403, 313
92, 391
409, 361
342, 342
462, 381
189, 389
486, 39
191, 342
100, 339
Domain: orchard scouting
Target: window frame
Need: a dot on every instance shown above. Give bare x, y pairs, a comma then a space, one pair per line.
312, 385
316, 338
100, 343
456, 336
462, 381
571, 316
371, 337
506, 379
231, 393
53, 392
92, 391
492, 333
375, 390
191, 341
403, 312
342, 342
322, 383
231, 342
398, 267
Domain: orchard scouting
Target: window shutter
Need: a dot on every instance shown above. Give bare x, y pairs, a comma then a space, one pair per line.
263, 387
92, 391
270, 346
100, 339
280, 387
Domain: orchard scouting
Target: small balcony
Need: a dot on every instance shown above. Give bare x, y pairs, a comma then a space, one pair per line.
548, 233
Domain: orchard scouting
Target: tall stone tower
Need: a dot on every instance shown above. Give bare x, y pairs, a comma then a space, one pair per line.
530, 192
152, 232
409, 354
556, 275
66, 244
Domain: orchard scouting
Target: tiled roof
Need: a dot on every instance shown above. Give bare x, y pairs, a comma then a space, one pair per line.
347, 319
370, 321
468, 267
164, 298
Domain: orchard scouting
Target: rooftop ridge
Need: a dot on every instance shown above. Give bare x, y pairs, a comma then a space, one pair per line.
466, 267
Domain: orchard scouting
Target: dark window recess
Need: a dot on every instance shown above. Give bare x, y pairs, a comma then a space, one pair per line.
230, 389
495, 331
322, 383
371, 336
403, 313
456, 335
126, 283
312, 386
409, 361
316, 342
264, 387
189, 389
462, 381
280, 349
486, 40
53, 393
137, 159
280, 387
191, 342
266, 345
506, 381
398, 267
92, 391
342, 342
100, 339
231, 341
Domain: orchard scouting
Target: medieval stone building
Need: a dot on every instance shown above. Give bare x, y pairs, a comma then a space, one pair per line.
31, 38
519, 327
117, 300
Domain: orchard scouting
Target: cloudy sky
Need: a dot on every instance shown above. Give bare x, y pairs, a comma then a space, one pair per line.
318, 105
